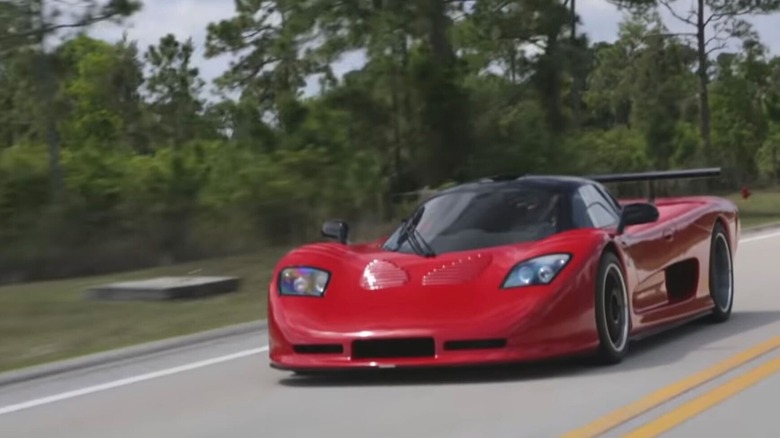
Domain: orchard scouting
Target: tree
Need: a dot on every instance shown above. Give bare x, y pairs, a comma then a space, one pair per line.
442, 91
742, 96
515, 35
174, 87
31, 23
643, 81
714, 22
267, 36
88, 70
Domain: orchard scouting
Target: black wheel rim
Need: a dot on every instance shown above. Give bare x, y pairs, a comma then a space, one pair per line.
722, 284
615, 307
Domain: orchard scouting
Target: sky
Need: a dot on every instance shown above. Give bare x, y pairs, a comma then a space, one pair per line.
185, 18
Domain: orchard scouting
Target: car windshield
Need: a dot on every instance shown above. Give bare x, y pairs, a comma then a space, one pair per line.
461, 221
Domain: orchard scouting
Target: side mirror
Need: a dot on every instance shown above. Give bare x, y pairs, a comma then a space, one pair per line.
636, 214
336, 229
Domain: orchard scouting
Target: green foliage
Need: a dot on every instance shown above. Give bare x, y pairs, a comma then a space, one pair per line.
150, 171
619, 149
30, 22
23, 187
174, 87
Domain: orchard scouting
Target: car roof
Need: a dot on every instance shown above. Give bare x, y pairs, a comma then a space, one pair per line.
561, 183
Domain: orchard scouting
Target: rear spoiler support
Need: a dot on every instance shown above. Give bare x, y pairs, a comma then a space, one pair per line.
652, 177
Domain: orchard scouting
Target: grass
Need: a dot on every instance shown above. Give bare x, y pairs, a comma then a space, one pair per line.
762, 207
46, 321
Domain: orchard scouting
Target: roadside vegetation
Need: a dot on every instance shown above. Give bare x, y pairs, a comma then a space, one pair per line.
51, 320
115, 157
762, 208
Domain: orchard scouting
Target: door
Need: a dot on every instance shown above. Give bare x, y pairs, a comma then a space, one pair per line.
646, 249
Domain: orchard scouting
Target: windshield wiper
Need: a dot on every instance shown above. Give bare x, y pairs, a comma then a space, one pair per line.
423, 247
416, 241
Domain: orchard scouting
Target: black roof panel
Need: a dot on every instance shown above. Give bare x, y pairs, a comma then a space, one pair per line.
560, 182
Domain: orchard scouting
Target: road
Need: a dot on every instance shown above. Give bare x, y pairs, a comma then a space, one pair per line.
225, 389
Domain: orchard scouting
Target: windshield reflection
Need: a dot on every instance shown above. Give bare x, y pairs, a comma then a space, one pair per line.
467, 220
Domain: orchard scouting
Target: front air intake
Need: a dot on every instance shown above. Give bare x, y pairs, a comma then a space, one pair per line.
318, 349
475, 344
393, 348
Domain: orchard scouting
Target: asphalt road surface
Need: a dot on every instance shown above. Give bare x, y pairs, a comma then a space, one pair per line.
699, 380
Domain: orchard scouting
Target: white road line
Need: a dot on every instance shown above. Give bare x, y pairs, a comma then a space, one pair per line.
180, 369
753, 239
128, 381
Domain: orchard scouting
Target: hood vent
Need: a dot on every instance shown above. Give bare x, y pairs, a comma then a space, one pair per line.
458, 271
380, 274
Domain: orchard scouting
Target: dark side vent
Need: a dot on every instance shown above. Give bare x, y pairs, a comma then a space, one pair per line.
393, 348
477, 344
319, 349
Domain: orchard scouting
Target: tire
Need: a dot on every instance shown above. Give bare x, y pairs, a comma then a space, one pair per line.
721, 274
613, 315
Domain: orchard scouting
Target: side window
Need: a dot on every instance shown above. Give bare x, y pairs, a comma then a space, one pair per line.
601, 216
597, 207
579, 210
610, 199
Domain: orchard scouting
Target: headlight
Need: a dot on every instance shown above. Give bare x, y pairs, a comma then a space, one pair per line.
540, 270
303, 281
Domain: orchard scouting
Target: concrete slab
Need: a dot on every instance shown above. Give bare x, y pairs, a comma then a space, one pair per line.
165, 288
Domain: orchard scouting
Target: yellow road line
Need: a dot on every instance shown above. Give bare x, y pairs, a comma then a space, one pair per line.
632, 410
698, 405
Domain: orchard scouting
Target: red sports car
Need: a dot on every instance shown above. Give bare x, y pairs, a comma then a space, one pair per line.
503, 270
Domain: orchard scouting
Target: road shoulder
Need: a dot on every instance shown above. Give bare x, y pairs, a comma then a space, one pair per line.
134, 352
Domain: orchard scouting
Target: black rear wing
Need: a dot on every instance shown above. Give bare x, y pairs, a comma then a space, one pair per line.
652, 177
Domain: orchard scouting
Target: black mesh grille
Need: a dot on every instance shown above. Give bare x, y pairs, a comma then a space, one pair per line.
476, 344
393, 348
319, 349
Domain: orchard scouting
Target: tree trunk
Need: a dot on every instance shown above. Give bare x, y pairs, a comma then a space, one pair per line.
704, 98
397, 136
48, 88
437, 36
577, 81
550, 77
446, 112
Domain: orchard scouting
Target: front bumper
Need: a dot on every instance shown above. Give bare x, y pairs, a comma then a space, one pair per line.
496, 351
434, 326
557, 330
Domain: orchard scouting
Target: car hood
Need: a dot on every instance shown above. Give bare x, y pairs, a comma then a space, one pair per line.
368, 267
373, 289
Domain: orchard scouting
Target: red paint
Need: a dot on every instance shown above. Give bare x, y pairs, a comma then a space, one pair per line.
457, 296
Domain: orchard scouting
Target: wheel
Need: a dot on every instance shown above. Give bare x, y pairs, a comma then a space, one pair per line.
612, 310
721, 275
